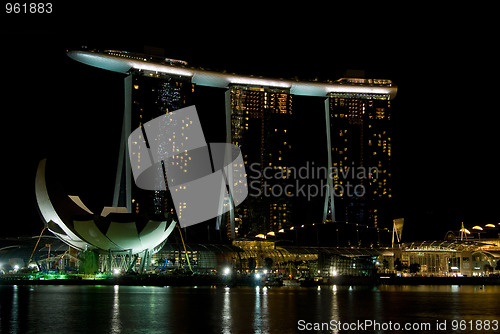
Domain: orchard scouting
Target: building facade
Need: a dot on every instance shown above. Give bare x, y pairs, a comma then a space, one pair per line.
261, 122
360, 148
149, 95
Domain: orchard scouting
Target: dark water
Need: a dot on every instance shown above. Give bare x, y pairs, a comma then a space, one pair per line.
131, 309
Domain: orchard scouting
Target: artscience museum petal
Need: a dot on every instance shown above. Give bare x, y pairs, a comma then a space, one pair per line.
114, 230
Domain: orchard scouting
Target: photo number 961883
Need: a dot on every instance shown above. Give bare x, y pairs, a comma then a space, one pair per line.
28, 8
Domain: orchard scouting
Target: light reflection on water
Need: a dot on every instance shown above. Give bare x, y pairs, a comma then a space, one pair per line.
226, 312
115, 312
131, 309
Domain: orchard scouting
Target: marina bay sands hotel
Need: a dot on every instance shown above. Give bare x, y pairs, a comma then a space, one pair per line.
259, 116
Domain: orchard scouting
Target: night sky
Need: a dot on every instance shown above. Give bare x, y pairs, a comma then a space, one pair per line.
443, 62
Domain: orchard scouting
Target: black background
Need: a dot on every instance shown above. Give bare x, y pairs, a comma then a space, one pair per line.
443, 61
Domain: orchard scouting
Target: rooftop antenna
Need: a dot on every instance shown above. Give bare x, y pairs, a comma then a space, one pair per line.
463, 232
397, 230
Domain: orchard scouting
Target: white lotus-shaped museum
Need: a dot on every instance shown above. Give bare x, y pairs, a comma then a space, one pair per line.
114, 230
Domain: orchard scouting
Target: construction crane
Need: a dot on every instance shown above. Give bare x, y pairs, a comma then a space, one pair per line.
36, 245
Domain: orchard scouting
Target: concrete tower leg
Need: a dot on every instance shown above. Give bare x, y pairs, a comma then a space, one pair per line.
123, 182
330, 193
227, 199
